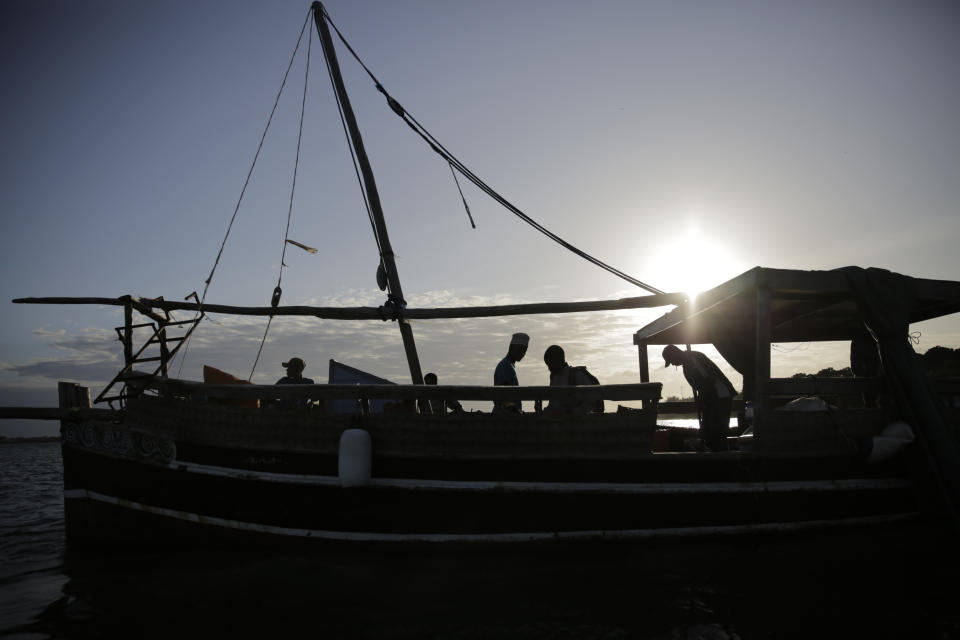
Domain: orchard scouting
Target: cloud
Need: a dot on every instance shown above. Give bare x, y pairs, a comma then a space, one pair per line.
68, 370
90, 343
94, 358
88, 346
44, 332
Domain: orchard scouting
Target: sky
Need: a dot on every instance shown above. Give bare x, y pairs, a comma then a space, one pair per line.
682, 142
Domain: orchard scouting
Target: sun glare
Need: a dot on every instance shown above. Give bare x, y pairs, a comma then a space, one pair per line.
691, 263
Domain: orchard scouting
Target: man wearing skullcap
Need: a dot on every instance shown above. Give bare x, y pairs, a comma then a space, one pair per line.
506, 372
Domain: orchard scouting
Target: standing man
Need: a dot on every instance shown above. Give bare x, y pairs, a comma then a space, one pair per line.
714, 393
506, 371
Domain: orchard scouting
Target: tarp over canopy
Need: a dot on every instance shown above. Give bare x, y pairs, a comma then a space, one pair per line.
805, 306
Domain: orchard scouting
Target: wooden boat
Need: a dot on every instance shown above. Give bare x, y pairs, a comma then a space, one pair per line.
183, 464
179, 461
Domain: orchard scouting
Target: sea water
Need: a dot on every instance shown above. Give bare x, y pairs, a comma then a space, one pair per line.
894, 584
31, 531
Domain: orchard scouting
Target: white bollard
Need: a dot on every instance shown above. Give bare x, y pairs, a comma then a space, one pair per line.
355, 458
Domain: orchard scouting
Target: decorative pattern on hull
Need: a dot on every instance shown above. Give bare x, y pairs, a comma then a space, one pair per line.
119, 441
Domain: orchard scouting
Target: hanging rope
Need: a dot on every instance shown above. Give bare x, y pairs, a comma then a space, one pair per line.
277, 292
467, 173
206, 285
465, 205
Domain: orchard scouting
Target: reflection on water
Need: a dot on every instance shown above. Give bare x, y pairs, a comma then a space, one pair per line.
31, 530
786, 588
900, 583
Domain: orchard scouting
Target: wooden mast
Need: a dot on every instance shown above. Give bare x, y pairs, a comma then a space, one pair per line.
370, 186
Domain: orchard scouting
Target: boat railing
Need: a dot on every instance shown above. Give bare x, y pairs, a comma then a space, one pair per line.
647, 393
823, 387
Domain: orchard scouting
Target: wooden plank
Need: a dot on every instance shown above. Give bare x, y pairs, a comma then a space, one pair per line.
145, 307
379, 313
762, 361
644, 362
127, 334
649, 391
821, 386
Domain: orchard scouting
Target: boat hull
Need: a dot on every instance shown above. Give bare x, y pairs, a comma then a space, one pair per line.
134, 482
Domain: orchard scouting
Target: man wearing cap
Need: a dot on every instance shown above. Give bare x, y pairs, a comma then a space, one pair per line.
294, 367
506, 372
714, 393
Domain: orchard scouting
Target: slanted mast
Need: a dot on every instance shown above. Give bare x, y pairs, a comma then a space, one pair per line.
370, 188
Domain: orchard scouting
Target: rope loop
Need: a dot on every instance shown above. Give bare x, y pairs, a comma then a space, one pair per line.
392, 309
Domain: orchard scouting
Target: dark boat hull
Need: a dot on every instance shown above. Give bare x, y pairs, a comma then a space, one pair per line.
133, 483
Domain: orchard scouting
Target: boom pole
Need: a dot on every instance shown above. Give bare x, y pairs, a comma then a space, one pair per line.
370, 186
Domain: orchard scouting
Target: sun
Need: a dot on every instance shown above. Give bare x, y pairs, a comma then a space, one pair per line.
689, 263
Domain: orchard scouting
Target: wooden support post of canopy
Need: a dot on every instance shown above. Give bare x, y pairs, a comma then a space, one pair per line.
644, 362
762, 362
644, 367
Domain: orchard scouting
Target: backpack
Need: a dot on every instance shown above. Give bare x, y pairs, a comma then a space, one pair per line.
592, 379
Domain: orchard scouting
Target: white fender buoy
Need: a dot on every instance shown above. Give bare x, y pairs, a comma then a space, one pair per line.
354, 458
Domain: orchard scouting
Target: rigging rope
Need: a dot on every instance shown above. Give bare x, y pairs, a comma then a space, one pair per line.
467, 173
465, 205
353, 157
293, 188
246, 182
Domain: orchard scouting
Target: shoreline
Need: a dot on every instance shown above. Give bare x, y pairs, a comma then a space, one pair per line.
28, 439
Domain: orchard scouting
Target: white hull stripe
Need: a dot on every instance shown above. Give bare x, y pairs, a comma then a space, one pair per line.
357, 536
638, 488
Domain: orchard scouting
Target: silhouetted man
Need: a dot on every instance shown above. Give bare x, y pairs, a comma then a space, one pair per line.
294, 367
562, 375
714, 393
439, 405
506, 371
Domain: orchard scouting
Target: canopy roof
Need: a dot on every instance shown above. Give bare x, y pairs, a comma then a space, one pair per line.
805, 306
